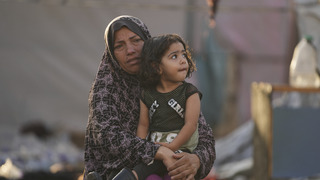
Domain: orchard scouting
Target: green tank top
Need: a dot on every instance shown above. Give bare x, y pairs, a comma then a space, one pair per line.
166, 113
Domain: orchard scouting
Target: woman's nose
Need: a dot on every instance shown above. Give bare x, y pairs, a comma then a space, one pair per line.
130, 49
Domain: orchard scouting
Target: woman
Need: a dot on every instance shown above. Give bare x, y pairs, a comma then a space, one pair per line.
111, 142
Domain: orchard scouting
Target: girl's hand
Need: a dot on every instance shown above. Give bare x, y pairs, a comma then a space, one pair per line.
186, 166
166, 155
163, 144
170, 146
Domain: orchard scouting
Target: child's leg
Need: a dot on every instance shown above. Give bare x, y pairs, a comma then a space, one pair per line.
154, 177
125, 173
143, 170
166, 177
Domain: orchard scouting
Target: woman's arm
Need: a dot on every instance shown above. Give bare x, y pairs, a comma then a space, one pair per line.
143, 125
192, 112
110, 137
206, 148
110, 140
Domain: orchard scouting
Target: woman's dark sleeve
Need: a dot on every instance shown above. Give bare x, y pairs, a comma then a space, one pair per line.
205, 149
111, 142
111, 138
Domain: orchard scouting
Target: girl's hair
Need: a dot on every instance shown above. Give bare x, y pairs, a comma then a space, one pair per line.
151, 55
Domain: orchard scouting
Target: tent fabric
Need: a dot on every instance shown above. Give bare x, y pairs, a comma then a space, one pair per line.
48, 61
50, 52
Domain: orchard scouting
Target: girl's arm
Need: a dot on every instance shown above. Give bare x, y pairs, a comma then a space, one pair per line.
191, 116
163, 153
201, 159
143, 125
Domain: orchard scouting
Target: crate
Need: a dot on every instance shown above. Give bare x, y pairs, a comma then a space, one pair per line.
286, 140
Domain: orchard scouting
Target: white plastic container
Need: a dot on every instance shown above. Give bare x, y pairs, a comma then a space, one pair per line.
303, 65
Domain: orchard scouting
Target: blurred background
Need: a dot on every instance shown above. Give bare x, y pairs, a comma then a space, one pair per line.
50, 51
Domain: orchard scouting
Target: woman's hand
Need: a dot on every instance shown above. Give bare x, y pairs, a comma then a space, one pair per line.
185, 167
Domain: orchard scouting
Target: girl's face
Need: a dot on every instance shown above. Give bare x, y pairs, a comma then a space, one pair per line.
174, 64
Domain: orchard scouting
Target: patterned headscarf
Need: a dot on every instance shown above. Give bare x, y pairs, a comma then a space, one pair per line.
110, 141
134, 24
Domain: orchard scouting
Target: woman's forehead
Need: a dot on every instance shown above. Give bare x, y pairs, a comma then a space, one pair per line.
123, 34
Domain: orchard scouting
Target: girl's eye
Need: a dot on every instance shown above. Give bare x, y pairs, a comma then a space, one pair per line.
184, 55
174, 57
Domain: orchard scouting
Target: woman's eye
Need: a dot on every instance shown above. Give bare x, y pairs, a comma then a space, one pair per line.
137, 40
184, 55
117, 47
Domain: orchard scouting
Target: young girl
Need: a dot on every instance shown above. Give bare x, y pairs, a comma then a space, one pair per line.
169, 106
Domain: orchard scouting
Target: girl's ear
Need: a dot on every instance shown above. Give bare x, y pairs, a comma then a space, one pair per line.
160, 70
156, 67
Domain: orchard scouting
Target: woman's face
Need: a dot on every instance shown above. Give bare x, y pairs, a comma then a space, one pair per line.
127, 50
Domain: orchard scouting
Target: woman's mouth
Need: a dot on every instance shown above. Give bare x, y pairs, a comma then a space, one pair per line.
133, 61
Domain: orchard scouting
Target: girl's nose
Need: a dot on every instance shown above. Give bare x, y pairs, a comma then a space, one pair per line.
183, 60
